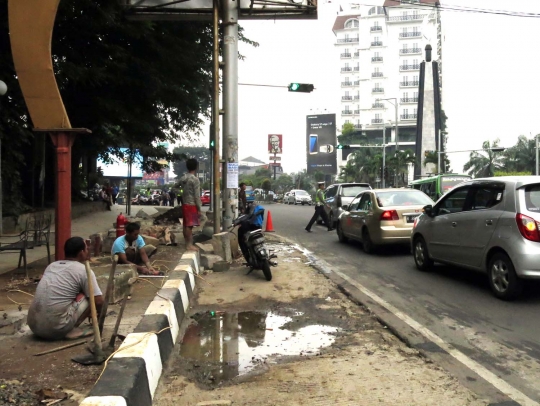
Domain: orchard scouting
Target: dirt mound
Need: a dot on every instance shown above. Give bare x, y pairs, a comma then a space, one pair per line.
170, 216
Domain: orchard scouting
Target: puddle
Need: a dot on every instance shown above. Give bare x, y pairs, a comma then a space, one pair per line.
227, 345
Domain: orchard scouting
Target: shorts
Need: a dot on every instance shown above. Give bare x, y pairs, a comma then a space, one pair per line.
77, 308
190, 215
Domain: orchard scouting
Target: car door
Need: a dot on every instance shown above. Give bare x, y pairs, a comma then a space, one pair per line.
365, 212
479, 221
442, 234
346, 219
329, 197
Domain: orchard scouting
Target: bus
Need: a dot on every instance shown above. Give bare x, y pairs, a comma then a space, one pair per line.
436, 186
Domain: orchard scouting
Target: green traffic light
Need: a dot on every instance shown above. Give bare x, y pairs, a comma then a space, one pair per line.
339, 146
295, 86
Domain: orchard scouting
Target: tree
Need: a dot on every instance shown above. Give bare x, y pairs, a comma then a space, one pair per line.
521, 157
200, 153
485, 163
266, 185
399, 164
283, 183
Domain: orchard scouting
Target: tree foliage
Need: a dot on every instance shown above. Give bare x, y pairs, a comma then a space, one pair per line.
486, 162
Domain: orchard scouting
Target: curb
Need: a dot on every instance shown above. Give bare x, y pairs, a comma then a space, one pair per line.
132, 374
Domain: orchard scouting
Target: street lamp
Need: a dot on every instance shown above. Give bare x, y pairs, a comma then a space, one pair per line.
3, 91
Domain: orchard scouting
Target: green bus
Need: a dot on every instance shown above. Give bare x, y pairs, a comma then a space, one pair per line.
436, 186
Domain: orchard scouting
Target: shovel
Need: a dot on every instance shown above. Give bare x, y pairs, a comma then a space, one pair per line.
97, 356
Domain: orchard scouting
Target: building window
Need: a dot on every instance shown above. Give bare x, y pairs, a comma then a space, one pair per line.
405, 78
405, 95
347, 121
377, 116
377, 54
405, 112
375, 39
415, 95
375, 11
415, 111
415, 78
351, 24
415, 62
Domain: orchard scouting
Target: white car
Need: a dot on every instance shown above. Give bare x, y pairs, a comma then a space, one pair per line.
298, 197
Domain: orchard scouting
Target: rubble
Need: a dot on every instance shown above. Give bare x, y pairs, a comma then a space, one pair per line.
170, 216
208, 260
16, 393
147, 212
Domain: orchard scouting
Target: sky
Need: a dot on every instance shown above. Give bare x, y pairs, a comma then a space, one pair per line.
490, 78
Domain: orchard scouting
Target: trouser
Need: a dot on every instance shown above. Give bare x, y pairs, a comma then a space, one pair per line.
135, 255
319, 211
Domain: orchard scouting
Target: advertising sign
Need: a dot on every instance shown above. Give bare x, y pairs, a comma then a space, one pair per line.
321, 143
275, 143
232, 175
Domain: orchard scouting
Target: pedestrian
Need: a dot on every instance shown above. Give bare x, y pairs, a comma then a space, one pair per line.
105, 197
179, 196
242, 199
167, 198
191, 202
61, 301
131, 249
319, 209
115, 194
172, 196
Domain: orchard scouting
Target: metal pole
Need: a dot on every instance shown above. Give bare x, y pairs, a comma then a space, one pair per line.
439, 154
537, 154
3, 90
230, 103
216, 202
397, 141
383, 153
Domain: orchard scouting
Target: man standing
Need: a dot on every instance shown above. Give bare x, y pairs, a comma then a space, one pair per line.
61, 301
131, 249
172, 195
319, 209
242, 198
191, 202
115, 194
179, 196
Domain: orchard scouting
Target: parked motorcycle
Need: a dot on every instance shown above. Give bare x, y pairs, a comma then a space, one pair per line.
140, 200
251, 240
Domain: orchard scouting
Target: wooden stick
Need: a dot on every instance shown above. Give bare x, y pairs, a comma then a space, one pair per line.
64, 347
93, 311
108, 295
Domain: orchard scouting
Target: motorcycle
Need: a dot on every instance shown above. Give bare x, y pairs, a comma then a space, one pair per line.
140, 200
254, 250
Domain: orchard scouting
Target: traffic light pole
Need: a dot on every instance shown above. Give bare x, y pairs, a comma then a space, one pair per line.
214, 136
230, 104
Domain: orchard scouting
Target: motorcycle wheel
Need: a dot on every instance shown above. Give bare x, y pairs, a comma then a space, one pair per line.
266, 270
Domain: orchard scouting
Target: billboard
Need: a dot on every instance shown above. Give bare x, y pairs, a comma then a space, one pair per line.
275, 143
321, 143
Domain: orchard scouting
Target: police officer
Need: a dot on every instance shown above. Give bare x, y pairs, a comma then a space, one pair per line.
319, 209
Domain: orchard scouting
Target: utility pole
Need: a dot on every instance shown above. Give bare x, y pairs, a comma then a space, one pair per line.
214, 133
439, 155
230, 104
537, 154
3, 91
383, 153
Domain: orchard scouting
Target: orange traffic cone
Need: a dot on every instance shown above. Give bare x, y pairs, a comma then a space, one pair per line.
269, 225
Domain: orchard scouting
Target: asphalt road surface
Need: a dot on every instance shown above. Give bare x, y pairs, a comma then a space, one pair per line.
455, 304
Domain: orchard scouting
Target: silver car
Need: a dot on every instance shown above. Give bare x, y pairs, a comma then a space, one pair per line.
490, 225
297, 196
338, 197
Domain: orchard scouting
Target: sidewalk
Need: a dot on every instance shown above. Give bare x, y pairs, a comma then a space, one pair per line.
297, 340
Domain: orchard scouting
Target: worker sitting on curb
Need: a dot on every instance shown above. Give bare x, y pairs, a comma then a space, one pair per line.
61, 302
131, 249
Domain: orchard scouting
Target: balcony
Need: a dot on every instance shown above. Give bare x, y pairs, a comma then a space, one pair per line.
414, 34
346, 55
376, 59
358, 126
409, 100
402, 18
347, 40
377, 105
411, 83
409, 51
376, 43
357, 111
408, 116
409, 67
376, 74
346, 84
356, 54
346, 69
346, 112
377, 90
376, 28
345, 98
357, 83
357, 97
376, 121
356, 69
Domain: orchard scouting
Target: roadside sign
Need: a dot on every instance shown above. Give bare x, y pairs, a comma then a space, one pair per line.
275, 164
275, 158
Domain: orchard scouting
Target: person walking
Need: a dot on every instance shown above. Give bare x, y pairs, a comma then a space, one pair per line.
179, 198
242, 199
191, 202
319, 209
172, 196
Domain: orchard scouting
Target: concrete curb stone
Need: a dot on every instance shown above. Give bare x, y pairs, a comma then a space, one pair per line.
132, 374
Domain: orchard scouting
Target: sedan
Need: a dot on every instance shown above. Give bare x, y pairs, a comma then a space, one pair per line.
381, 216
490, 225
298, 197
205, 198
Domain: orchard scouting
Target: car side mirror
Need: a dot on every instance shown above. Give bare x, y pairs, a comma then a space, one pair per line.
429, 210
338, 201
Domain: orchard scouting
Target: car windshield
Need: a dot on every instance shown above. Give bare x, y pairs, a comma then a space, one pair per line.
353, 190
402, 198
301, 192
532, 198
448, 182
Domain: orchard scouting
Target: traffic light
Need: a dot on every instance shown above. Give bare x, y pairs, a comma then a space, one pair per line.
212, 145
343, 146
301, 87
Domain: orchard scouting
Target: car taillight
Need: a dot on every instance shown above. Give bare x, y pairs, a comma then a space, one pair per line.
415, 221
528, 227
389, 215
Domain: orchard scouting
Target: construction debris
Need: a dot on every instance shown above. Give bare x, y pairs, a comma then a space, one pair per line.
170, 216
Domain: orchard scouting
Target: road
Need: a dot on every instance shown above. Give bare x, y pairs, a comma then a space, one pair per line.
455, 304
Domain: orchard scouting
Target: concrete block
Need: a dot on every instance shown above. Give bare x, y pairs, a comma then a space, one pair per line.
222, 245
122, 275
147, 212
205, 248
221, 266
150, 240
235, 248
208, 260
107, 243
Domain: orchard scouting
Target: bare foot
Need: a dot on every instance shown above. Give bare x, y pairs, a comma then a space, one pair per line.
192, 248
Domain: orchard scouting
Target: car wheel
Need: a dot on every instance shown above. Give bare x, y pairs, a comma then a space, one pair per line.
295, 202
421, 257
367, 243
340, 234
503, 279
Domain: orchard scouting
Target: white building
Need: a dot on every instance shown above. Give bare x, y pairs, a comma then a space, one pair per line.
381, 48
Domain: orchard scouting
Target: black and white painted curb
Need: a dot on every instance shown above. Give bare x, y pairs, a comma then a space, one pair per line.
132, 374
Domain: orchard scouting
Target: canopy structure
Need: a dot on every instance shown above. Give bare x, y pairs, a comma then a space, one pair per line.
202, 9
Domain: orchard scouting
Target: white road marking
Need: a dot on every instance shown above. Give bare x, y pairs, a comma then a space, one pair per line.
489, 376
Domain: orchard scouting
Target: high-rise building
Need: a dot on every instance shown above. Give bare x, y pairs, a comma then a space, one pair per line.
380, 49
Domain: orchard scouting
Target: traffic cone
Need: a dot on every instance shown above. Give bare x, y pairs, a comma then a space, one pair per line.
269, 225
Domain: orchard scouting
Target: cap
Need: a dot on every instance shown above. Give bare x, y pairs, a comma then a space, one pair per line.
320, 183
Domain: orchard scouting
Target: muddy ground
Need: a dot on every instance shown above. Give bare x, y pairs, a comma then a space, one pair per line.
296, 340
17, 347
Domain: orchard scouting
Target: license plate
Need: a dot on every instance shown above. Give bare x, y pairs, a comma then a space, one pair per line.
410, 219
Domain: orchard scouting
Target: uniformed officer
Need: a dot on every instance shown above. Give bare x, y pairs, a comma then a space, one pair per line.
319, 209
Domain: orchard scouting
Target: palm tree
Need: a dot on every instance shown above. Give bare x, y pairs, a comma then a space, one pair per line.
485, 163
400, 163
522, 156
